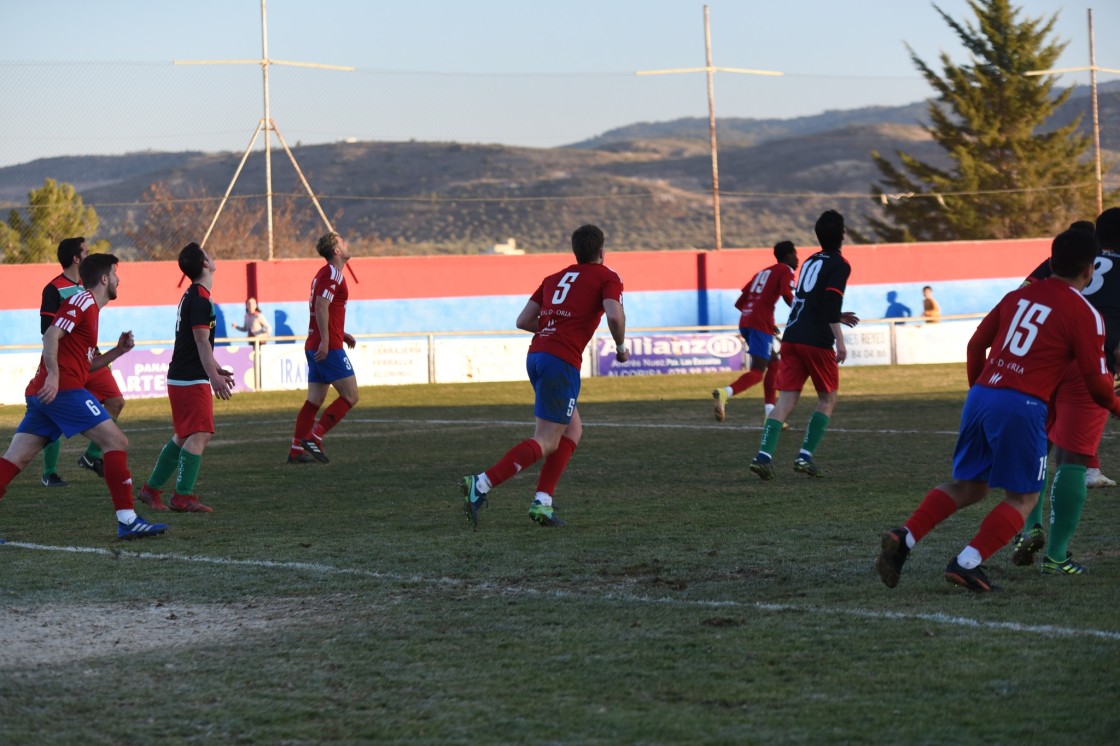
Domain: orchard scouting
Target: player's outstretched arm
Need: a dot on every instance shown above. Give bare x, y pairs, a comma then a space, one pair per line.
124, 344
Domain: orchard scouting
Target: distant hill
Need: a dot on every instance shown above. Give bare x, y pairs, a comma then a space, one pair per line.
647, 184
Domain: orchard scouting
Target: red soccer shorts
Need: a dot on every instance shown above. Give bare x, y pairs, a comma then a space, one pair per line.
802, 362
1076, 422
102, 384
192, 409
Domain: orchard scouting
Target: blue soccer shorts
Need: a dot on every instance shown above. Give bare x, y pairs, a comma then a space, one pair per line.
1002, 440
556, 384
73, 411
759, 344
334, 368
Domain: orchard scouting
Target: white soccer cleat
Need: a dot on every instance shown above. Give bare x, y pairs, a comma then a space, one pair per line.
1094, 479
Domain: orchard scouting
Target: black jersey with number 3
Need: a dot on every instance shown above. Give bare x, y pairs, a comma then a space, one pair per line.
1103, 293
822, 274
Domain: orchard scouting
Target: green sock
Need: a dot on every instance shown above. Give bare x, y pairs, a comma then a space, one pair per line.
1066, 501
1035, 516
770, 435
818, 423
166, 465
50, 457
189, 464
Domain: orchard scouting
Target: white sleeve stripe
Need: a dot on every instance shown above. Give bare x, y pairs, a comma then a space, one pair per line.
328, 295
65, 325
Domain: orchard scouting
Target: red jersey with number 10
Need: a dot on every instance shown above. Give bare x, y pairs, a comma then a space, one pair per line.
1034, 333
329, 283
571, 304
78, 316
761, 294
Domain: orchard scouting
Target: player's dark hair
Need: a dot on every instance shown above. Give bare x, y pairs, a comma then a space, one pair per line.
94, 267
69, 249
328, 242
782, 249
927, 287
587, 242
1108, 228
1071, 252
192, 261
1082, 225
830, 230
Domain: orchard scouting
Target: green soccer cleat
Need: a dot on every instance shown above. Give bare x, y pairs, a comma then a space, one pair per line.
764, 469
807, 467
1066, 567
720, 395
1026, 544
545, 515
474, 499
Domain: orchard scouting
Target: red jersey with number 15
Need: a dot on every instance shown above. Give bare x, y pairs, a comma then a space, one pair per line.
329, 283
1034, 333
761, 294
78, 316
571, 304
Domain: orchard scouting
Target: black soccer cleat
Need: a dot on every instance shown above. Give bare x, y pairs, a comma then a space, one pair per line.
893, 556
974, 579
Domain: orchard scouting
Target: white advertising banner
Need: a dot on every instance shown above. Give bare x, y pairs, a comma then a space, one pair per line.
943, 342
16, 372
868, 345
463, 360
375, 363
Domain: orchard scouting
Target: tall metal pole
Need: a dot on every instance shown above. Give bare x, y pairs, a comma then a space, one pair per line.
1096, 115
267, 131
712, 125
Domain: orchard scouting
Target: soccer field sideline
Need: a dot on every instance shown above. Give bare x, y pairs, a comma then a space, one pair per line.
1045, 630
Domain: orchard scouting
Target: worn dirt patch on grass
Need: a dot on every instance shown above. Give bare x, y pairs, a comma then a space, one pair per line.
64, 633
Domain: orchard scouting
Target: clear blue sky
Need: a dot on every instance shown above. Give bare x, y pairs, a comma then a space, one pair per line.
530, 72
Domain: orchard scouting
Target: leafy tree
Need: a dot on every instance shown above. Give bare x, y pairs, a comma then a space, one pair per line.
1006, 176
54, 212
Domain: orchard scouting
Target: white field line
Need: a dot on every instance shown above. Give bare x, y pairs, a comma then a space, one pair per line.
1043, 630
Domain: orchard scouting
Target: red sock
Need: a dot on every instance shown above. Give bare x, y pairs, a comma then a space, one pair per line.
769, 392
745, 381
997, 530
8, 472
554, 466
305, 420
331, 417
521, 456
1094, 462
935, 507
118, 478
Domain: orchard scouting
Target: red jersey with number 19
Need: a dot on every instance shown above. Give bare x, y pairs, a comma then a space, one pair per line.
1034, 333
761, 294
329, 283
78, 316
571, 304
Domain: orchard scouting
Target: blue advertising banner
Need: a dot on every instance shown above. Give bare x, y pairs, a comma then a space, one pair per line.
142, 373
661, 354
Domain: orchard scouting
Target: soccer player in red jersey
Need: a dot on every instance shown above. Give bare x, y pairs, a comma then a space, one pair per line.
58, 403
327, 364
811, 333
562, 314
756, 303
1034, 333
71, 252
1076, 423
193, 380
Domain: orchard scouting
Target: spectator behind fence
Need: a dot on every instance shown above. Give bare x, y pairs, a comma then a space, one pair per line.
255, 325
931, 309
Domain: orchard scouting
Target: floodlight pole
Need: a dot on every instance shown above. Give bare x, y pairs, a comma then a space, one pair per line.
710, 70
268, 126
1093, 70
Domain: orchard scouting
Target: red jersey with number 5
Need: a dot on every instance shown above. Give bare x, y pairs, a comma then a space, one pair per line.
1034, 333
761, 294
571, 304
329, 283
78, 316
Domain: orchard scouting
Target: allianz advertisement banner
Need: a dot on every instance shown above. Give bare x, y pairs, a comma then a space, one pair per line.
660, 354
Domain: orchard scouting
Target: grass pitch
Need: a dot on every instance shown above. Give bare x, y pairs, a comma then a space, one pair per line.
685, 601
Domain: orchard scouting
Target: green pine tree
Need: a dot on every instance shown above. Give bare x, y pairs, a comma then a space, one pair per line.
54, 211
1006, 175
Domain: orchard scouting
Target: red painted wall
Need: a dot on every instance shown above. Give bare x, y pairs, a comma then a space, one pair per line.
158, 283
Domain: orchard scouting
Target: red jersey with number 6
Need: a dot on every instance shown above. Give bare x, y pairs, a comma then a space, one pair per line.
761, 294
78, 316
571, 304
1034, 333
329, 283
